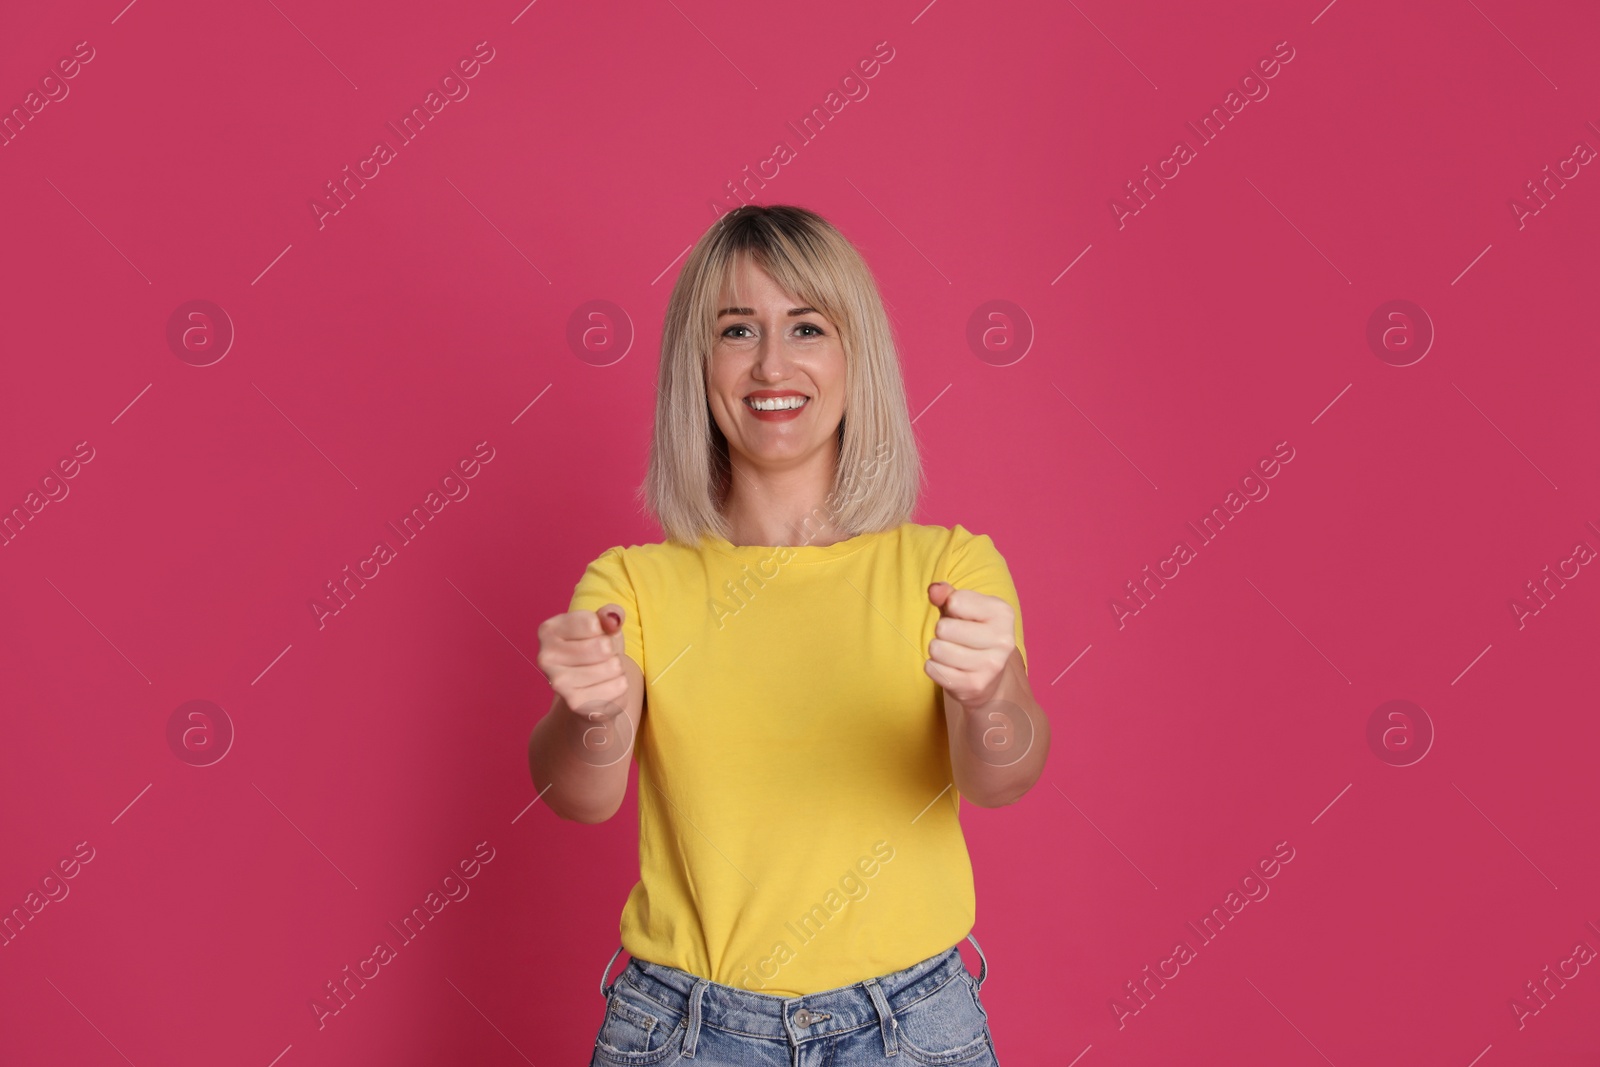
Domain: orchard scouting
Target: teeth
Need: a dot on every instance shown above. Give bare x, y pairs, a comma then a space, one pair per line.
775, 403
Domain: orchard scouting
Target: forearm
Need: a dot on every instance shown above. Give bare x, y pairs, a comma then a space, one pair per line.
998, 749
576, 764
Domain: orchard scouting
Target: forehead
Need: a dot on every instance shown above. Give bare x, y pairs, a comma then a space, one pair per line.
751, 304
747, 285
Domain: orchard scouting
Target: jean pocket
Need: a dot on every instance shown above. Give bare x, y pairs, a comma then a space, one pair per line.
946, 1027
636, 1033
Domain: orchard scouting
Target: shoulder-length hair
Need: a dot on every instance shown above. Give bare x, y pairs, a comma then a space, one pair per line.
879, 473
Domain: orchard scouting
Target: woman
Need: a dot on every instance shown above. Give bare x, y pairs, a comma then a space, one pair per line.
811, 678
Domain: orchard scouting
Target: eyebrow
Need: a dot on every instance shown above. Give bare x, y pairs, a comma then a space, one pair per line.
752, 311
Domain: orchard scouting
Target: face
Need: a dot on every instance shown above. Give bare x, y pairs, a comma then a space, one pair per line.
774, 350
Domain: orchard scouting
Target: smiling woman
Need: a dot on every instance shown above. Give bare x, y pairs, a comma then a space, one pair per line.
880, 659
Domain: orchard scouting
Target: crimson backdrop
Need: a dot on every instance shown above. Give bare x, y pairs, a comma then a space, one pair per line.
1377, 259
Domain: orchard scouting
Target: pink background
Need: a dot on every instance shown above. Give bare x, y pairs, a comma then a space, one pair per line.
372, 754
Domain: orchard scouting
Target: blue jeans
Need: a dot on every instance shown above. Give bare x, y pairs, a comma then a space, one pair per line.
928, 1013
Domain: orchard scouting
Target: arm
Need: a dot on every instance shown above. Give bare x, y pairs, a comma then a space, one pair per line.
580, 764
999, 736
986, 739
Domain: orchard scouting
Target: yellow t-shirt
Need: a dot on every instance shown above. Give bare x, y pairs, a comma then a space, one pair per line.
798, 828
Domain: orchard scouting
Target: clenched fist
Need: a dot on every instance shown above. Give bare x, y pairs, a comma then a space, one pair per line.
581, 652
972, 642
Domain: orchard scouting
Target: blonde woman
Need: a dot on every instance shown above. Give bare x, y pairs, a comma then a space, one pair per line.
809, 681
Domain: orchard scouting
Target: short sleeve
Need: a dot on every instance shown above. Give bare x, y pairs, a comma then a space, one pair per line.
606, 581
976, 564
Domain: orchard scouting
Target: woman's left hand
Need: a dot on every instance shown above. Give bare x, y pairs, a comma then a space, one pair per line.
972, 643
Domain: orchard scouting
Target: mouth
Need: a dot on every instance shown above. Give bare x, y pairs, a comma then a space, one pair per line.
785, 402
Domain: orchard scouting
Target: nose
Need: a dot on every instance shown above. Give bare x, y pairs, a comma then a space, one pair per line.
771, 364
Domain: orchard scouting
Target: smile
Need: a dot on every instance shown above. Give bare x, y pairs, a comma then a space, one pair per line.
776, 403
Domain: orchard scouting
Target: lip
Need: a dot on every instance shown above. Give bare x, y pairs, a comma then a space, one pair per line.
774, 416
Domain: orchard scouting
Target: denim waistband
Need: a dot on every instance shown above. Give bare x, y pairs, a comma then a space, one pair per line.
871, 1001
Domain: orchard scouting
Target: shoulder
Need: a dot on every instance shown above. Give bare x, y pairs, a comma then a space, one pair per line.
643, 558
949, 542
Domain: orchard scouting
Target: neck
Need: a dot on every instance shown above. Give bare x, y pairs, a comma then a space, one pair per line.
783, 505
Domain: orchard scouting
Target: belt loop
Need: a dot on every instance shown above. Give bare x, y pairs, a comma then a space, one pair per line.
983, 961
887, 1022
605, 988
695, 996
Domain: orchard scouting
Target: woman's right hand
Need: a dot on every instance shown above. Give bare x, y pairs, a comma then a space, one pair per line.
581, 653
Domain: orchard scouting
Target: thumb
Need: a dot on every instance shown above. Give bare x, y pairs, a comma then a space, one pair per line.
939, 594
610, 618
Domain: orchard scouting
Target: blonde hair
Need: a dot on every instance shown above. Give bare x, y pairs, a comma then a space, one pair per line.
879, 473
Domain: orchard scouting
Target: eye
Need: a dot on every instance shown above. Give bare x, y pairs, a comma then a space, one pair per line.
736, 326
811, 326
